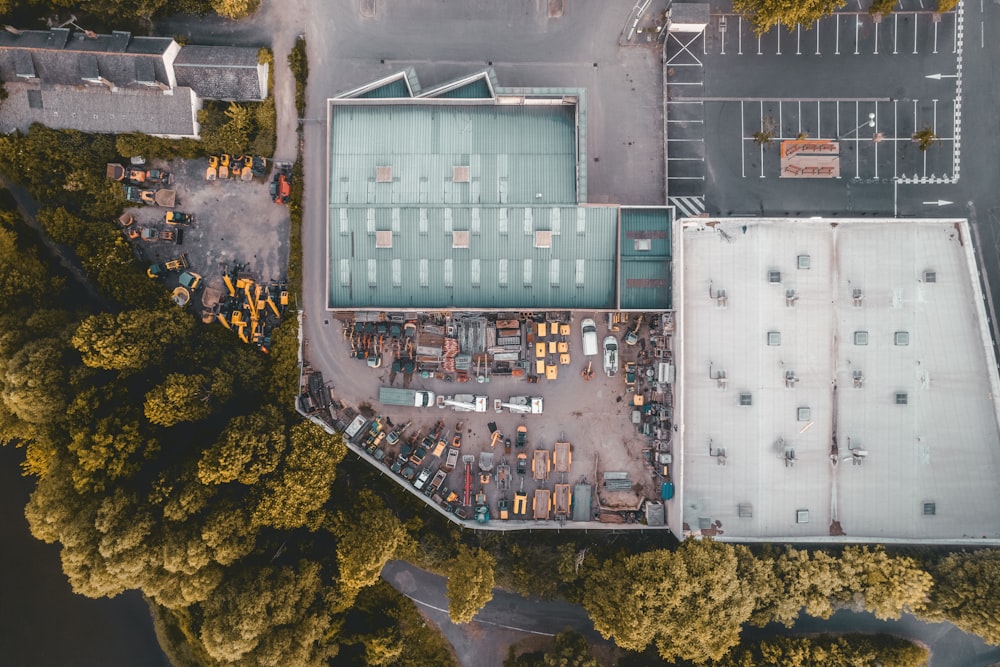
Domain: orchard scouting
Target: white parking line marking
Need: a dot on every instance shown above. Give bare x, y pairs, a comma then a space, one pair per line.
935, 116
762, 143
798, 40
779, 38
857, 27
936, 24
817, 37
916, 20
758, 46
743, 150
876, 39
837, 31
954, 45
895, 33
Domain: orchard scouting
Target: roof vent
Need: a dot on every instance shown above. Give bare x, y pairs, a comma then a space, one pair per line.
804, 261
860, 337
383, 239
901, 398
745, 510
859, 379
643, 245
858, 294
774, 277
383, 174
460, 174
543, 239
803, 414
801, 516
902, 338
930, 508
460, 239
746, 399
773, 338
790, 298
930, 276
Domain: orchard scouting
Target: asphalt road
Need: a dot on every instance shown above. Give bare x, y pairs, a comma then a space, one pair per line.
509, 618
505, 620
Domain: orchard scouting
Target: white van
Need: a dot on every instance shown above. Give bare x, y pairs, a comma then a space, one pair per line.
589, 330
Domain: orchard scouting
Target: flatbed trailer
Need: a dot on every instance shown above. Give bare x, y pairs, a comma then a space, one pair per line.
541, 504
562, 456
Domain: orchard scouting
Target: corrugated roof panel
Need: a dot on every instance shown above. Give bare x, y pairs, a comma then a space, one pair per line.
391, 89
512, 272
525, 155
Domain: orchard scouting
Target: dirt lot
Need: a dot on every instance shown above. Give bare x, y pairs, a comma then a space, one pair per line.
594, 416
234, 222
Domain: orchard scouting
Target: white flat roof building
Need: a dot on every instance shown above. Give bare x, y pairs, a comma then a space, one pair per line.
836, 380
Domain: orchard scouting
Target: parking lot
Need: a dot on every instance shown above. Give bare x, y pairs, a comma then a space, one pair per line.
595, 416
864, 83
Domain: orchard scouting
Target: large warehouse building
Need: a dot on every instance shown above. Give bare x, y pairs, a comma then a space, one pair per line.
470, 196
837, 380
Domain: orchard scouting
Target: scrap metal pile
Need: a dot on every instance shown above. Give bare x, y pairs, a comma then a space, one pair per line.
250, 307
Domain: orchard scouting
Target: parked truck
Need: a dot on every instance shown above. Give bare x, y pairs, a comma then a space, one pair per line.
525, 405
407, 397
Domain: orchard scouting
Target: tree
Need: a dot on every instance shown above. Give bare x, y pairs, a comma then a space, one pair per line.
271, 616
967, 593
570, 650
946, 6
368, 535
691, 602
293, 496
765, 14
882, 584
249, 447
470, 583
23, 277
235, 9
882, 7
765, 135
183, 398
926, 138
132, 339
108, 451
720, 600
34, 386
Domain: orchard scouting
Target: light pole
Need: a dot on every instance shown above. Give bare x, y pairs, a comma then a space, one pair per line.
870, 123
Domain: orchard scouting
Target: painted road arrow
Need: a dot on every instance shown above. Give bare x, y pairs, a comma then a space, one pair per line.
941, 76
939, 202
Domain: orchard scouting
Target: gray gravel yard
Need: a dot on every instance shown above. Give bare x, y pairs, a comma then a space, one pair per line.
234, 222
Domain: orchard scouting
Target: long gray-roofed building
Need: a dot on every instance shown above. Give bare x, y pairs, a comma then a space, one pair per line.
837, 381
468, 195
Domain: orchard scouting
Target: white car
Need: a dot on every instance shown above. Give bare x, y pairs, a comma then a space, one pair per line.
589, 330
611, 356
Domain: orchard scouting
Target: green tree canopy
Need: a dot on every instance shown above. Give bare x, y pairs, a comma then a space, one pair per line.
35, 382
470, 583
294, 495
132, 339
249, 447
765, 14
967, 593
368, 534
185, 397
271, 616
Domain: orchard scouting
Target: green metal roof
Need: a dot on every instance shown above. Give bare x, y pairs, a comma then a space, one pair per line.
502, 267
516, 154
645, 258
392, 89
477, 89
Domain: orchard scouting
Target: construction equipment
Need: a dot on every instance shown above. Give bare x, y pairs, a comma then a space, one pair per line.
163, 198
180, 296
521, 500
190, 280
541, 504
468, 460
588, 372
563, 501
541, 464
630, 376
115, 171
503, 476
526, 405
157, 270
522, 464
281, 184
151, 235
213, 168
503, 508
224, 165
562, 456
482, 509
178, 218
632, 337
522, 436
